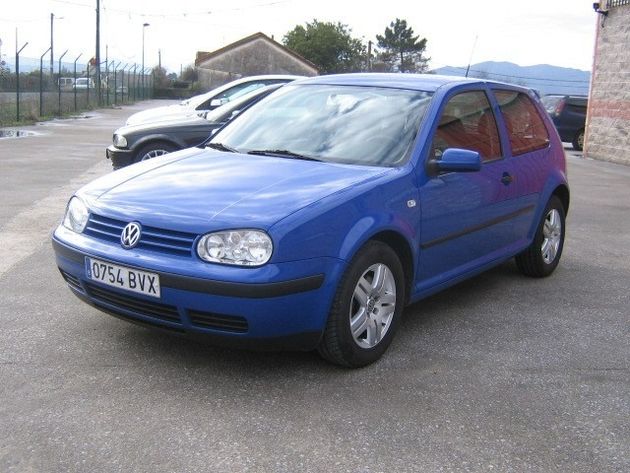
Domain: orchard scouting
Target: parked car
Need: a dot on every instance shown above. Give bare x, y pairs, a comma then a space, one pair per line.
568, 113
315, 217
65, 83
200, 104
135, 143
83, 83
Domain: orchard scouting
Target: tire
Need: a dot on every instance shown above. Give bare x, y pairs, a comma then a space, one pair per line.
543, 255
578, 141
358, 300
153, 150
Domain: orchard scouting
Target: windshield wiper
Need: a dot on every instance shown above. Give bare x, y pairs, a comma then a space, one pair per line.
221, 147
282, 153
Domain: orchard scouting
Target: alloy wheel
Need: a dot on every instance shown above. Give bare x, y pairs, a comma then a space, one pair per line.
373, 306
552, 236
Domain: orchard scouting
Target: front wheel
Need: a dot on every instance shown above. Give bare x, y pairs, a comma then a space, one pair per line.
153, 150
543, 255
367, 307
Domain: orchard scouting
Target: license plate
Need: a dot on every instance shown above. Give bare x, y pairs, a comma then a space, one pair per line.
123, 277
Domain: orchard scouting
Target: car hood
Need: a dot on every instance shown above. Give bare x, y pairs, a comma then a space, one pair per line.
202, 190
167, 112
169, 123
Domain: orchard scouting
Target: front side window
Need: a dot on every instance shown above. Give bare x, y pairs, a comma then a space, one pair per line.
526, 129
467, 122
343, 124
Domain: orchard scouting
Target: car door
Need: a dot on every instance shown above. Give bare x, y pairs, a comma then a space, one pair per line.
466, 216
528, 144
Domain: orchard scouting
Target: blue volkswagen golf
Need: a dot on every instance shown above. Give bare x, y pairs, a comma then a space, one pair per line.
316, 217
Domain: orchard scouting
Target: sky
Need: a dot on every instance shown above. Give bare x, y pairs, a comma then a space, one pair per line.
526, 32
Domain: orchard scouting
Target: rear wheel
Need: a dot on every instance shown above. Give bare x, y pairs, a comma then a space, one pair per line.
543, 255
578, 141
366, 309
153, 150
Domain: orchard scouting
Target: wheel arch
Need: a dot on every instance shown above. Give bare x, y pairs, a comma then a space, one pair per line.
401, 247
562, 192
153, 139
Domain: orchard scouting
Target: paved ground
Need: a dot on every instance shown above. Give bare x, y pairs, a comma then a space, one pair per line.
500, 373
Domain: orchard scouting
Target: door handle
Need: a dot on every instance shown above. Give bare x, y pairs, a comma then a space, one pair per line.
506, 179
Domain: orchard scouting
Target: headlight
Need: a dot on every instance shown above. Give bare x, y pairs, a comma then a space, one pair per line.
238, 247
76, 215
120, 141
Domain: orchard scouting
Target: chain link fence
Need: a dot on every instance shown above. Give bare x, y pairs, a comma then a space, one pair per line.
30, 93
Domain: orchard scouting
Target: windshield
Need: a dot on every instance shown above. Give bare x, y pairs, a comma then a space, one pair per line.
225, 112
345, 124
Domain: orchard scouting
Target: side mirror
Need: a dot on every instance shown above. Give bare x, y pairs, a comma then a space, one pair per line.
456, 160
214, 103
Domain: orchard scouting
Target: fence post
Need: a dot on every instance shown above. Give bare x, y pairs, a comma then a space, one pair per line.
107, 80
74, 85
17, 78
135, 82
116, 82
87, 72
59, 82
129, 84
41, 83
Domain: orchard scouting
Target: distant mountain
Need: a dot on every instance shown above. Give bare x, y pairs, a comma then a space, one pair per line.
28, 64
544, 78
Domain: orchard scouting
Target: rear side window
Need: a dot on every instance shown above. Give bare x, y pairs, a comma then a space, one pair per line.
526, 129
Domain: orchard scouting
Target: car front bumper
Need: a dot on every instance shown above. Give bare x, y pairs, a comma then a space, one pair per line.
119, 157
277, 306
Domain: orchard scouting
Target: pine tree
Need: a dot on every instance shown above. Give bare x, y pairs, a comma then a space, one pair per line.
401, 50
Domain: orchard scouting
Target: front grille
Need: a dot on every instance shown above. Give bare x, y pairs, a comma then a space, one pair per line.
152, 238
133, 304
72, 281
228, 323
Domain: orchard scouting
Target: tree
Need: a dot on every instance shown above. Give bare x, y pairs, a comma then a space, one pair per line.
160, 80
327, 45
400, 50
189, 74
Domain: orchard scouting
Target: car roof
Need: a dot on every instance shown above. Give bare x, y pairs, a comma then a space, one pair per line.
424, 82
244, 80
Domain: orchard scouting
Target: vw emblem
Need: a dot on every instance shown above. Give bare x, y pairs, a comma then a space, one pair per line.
130, 235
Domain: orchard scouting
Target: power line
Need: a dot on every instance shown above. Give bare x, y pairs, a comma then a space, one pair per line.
172, 15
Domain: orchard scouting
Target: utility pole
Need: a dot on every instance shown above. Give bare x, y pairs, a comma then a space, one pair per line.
107, 72
369, 58
52, 19
159, 59
98, 51
143, 74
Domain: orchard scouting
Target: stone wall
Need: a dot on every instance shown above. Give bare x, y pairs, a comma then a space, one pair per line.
209, 78
253, 58
608, 121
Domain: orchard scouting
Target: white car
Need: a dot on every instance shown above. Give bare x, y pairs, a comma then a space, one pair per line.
200, 104
84, 83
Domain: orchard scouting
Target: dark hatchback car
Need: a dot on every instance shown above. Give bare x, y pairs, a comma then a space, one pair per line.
568, 113
135, 143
